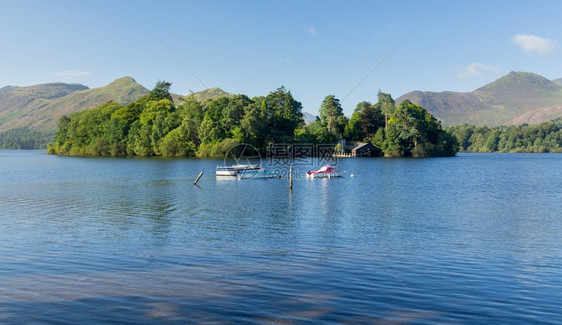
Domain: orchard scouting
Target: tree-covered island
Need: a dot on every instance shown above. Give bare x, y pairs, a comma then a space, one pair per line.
155, 126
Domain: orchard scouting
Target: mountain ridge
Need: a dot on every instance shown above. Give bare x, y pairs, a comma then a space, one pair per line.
39, 107
513, 97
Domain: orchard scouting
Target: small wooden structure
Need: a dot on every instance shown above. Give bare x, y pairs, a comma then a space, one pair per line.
365, 149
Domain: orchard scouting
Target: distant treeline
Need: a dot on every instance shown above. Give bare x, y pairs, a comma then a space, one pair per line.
154, 126
23, 138
544, 137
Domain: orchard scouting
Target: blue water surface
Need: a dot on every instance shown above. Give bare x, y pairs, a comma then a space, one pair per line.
470, 239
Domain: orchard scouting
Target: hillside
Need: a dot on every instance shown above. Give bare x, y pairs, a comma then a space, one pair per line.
537, 116
18, 104
211, 93
517, 97
308, 117
39, 107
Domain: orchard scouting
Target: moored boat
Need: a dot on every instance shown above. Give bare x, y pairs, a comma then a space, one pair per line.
325, 172
233, 170
226, 171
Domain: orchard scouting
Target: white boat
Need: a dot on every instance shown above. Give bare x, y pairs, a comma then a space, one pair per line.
325, 172
233, 170
226, 171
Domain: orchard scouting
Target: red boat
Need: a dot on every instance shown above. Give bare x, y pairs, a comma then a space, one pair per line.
325, 172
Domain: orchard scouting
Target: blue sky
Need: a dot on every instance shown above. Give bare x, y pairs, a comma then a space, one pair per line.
313, 48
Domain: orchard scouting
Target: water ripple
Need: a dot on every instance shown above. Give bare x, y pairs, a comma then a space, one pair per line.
473, 239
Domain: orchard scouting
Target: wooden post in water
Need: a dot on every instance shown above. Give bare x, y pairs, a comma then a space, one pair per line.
291, 178
198, 177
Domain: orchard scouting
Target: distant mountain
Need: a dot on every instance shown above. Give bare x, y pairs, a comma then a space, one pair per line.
43, 91
6, 89
211, 93
39, 107
537, 116
518, 97
308, 118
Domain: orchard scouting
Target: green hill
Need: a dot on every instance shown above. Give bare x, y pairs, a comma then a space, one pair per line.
39, 107
520, 89
18, 104
211, 93
451, 108
518, 97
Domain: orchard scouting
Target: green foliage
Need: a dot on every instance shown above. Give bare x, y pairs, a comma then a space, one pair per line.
88, 132
544, 137
219, 149
316, 132
179, 142
254, 124
386, 105
331, 115
23, 138
365, 121
191, 109
160, 91
284, 115
154, 126
128, 113
412, 132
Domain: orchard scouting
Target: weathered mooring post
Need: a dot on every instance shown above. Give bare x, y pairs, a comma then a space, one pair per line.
291, 178
198, 177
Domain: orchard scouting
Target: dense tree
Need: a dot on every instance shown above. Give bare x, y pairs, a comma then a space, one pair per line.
544, 137
153, 125
234, 111
316, 133
190, 108
254, 124
412, 131
371, 119
352, 127
331, 115
209, 131
365, 122
128, 113
463, 134
284, 115
180, 142
386, 105
160, 91
23, 138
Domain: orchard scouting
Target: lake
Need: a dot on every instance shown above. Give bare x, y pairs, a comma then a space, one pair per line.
475, 238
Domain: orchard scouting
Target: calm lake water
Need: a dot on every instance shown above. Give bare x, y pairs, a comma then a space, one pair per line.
472, 239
